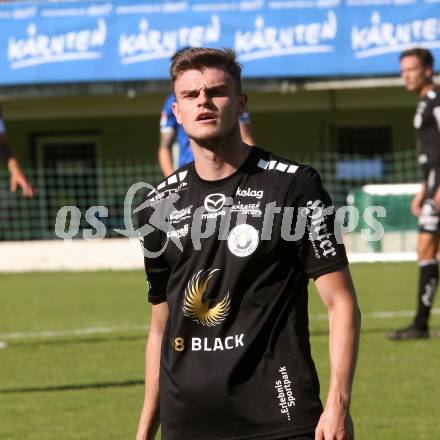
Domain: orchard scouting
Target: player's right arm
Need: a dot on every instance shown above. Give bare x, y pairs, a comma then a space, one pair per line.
149, 420
157, 272
416, 204
17, 177
164, 154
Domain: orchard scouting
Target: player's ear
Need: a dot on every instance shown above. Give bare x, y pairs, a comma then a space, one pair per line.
176, 112
428, 72
242, 103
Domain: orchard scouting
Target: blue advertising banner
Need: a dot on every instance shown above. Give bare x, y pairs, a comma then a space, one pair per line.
46, 42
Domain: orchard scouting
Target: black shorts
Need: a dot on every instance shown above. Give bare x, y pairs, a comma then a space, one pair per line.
429, 219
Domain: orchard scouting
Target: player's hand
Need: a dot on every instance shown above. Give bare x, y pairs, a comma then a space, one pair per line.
416, 205
18, 180
335, 424
437, 200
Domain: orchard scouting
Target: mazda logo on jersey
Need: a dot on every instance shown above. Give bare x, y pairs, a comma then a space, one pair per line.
214, 202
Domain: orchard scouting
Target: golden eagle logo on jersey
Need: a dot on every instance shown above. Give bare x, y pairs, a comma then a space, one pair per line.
202, 310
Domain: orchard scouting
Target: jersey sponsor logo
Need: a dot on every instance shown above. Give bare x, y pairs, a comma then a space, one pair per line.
213, 214
243, 240
247, 208
250, 193
179, 215
217, 344
283, 387
179, 233
205, 311
214, 202
180, 344
319, 235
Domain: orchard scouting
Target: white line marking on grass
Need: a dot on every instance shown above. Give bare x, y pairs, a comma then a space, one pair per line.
109, 330
3, 345
72, 332
380, 315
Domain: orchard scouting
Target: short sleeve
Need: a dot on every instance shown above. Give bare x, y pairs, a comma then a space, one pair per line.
321, 250
168, 121
156, 267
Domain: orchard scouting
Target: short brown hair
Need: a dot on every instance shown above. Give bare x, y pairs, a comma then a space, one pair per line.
424, 55
201, 57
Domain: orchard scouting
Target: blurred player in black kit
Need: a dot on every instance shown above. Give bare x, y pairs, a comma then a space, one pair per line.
416, 66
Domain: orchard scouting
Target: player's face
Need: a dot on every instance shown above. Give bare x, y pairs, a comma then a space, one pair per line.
207, 104
413, 73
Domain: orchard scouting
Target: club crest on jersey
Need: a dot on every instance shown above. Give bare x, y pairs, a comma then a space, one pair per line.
243, 240
205, 311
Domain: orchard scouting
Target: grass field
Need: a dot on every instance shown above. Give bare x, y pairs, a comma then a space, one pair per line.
72, 367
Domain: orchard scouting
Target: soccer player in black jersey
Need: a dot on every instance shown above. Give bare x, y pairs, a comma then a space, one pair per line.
416, 66
228, 353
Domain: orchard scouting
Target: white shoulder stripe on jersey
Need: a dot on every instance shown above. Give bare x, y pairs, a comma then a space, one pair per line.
263, 164
280, 166
182, 175
172, 179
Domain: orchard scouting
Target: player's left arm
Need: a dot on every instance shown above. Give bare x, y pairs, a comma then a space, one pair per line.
338, 294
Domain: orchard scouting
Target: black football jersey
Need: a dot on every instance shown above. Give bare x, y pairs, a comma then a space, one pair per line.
232, 258
427, 125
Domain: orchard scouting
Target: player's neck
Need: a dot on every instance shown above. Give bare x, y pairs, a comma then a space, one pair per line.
222, 160
425, 89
